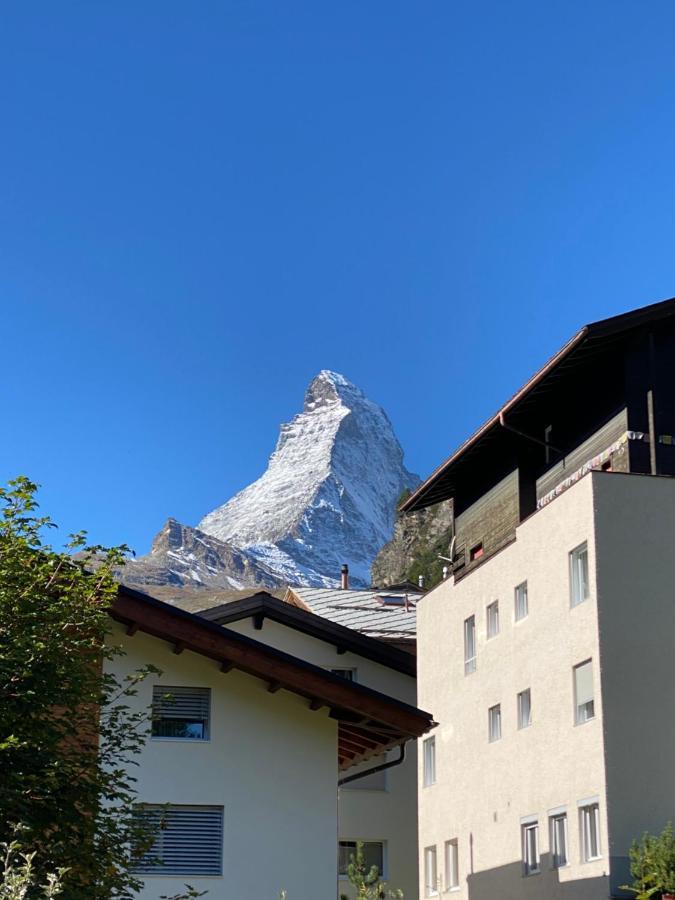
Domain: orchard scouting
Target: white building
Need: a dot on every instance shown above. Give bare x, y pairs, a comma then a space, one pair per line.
246, 747
545, 656
379, 809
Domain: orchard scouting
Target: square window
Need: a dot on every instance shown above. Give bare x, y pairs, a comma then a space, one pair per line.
530, 841
430, 872
452, 864
373, 855
470, 645
584, 703
476, 552
524, 709
558, 837
179, 829
181, 713
495, 722
347, 674
522, 608
493, 619
579, 590
589, 825
429, 761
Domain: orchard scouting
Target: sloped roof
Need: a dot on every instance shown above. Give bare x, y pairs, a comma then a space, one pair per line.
369, 722
362, 611
590, 341
263, 606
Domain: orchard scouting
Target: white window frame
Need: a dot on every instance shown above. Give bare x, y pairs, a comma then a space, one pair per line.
383, 875
521, 720
346, 672
557, 825
529, 828
579, 717
580, 589
430, 871
429, 761
495, 719
492, 619
452, 865
469, 645
589, 820
521, 602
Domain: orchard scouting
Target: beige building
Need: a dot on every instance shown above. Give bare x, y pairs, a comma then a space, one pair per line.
545, 656
248, 743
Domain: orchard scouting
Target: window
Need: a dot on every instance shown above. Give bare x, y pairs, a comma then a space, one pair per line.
452, 864
579, 575
476, 552
590, 831
584, 703
348, 674
470, 645
181, 829
495, 722
430, 876
373, 855
524, 709
530, 838
522, 608
558, 837
493, 619
181, 713
377, 781
429, 747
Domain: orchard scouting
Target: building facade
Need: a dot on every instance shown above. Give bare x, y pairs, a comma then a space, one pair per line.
543, 657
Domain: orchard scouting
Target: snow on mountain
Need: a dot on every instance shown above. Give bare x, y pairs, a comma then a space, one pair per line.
328, 495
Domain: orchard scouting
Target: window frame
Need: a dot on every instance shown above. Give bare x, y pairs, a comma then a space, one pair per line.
555, 818
384, 874
452, 864
575, 583
578, 720
429, 754
589, 812
430, 885
492, 620
527, 826
470, 629
494, 715
338, 670
516, 606
520, 695
167, 690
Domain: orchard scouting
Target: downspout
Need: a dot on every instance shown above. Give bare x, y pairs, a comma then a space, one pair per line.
374, 769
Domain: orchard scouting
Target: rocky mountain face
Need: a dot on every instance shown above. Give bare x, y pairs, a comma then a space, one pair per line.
327, 497
419, 539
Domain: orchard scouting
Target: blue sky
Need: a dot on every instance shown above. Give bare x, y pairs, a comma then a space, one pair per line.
203, 204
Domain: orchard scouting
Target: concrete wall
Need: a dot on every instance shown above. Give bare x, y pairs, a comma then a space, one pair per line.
484, 789
369, 815
270, 762
636, 592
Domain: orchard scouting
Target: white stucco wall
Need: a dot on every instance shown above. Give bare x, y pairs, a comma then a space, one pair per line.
483, 789
270, 762
636, 600
391, 815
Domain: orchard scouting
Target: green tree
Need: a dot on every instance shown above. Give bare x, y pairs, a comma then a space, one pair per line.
366, 879
68, 734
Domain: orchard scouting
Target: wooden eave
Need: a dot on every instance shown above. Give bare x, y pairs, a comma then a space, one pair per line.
368, 722
263, 605
592, 340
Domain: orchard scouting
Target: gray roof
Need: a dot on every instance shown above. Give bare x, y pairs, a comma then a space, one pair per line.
363, 611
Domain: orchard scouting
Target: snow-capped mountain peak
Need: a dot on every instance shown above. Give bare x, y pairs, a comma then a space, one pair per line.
329, 492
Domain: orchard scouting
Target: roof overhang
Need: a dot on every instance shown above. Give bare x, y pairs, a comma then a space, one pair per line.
589, 341
263, 606
369, 722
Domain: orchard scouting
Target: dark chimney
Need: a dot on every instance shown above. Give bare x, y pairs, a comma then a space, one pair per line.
345, 578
